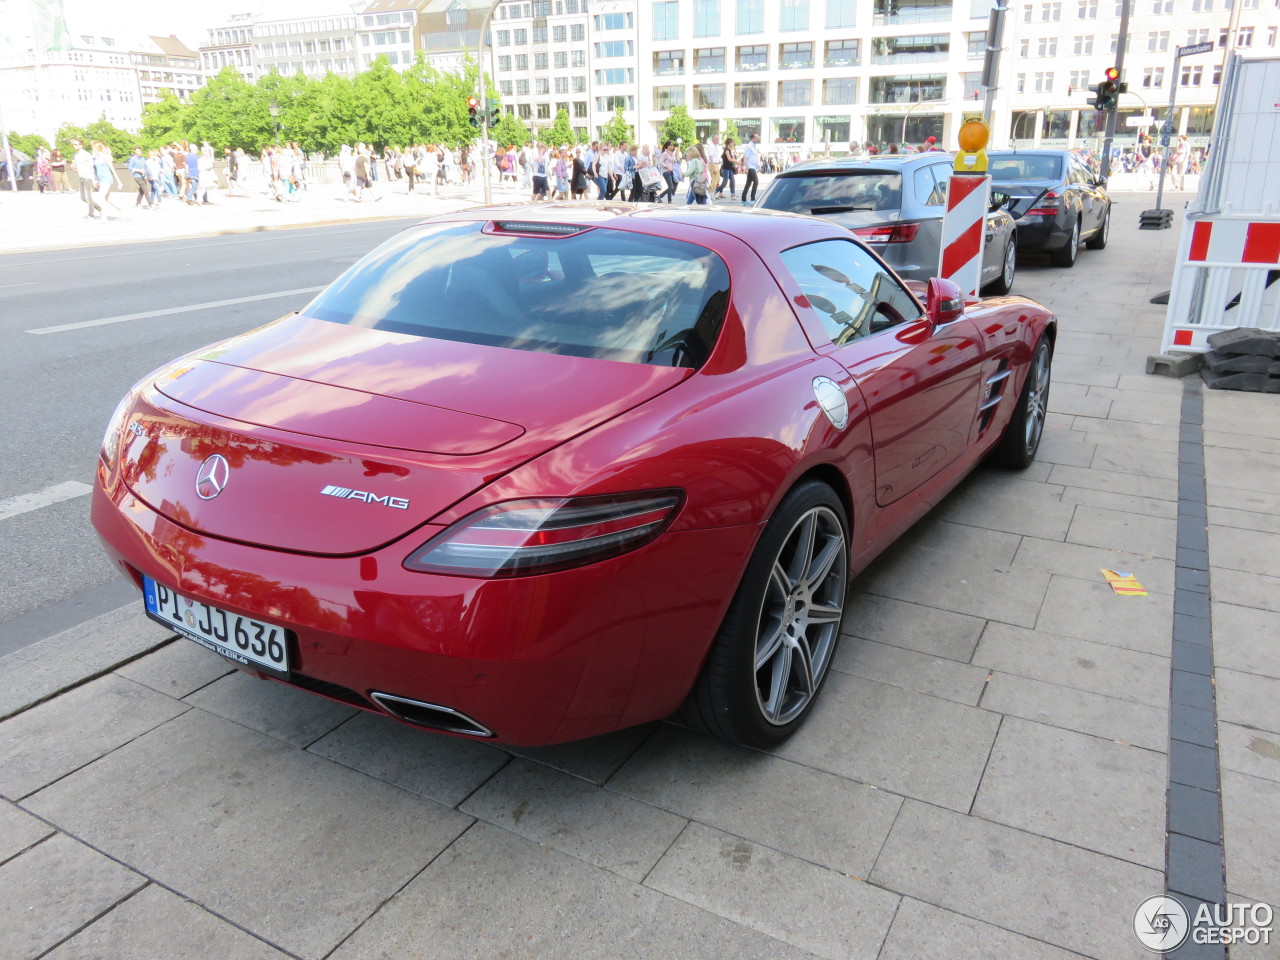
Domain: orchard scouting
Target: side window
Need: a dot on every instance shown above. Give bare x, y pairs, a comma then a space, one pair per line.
1077, 172
852, 294
931, 186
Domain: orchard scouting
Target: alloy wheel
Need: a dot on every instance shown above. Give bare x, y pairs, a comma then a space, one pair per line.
1037, 397
800, 615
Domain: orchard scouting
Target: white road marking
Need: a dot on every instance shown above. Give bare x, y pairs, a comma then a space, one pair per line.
26, 502
63, 327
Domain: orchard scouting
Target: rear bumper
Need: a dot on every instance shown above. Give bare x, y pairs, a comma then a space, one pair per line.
536, 660
1040, 234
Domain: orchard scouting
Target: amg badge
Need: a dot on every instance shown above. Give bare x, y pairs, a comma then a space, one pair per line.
346, 493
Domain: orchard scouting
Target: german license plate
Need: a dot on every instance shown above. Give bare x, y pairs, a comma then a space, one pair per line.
253, 643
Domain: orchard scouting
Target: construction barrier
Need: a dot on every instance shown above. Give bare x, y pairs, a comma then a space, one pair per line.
1227, 276
964, 227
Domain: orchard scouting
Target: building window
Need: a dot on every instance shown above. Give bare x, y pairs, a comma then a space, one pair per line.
750, 16
504, 38
504, 64
522, 61
613, 48
750, 95
559, 34
1159, 7
544, 111
541, 86
1050, 12
1192, 76
1048, 46
910, 49
975, 45
577, 58
909, 11
708, 96
522, 88
504, 87
753, 58
666, 20
840, 13
796, 56
842, 53
577, 33
525, 111
614, 21
1083, 46
615, 75
664, 98
839, 90
1020, 84
668, 63
706, 18
1158, 41
1153, 76
1244, 38
579, 108
520, 37
560, 59
539, 34
1087, 10
794, 93
708, 60
794, 15
540, 61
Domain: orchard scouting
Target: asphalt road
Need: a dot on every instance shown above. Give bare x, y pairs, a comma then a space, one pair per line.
62, 372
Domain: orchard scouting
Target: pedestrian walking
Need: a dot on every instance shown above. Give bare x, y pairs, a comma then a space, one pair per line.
751, 158
728, 164
58, 170
539, 167
137, 166
667, 166
712, 153
104, 172
85, 170
696, 170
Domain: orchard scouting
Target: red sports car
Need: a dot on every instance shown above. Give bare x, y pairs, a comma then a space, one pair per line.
540, 473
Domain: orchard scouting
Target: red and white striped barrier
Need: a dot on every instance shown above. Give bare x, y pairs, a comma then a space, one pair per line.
1227, 276
964, 227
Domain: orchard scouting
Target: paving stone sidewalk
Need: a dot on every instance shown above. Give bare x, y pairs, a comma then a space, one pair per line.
985, 776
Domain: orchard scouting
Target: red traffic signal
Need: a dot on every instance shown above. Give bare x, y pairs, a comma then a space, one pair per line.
1112, 74
473, 103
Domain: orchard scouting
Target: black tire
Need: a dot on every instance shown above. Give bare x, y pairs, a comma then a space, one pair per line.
1002, 284
1099, 240
1017, 448
726, 700
1066, 256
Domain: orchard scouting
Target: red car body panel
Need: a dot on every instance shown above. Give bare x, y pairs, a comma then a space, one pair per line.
560, 656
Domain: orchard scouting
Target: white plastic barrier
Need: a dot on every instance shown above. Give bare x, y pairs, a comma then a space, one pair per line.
1227, 276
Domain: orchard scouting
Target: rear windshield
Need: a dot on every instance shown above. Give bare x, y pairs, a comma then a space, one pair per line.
1026, 168
822, 193
602, 293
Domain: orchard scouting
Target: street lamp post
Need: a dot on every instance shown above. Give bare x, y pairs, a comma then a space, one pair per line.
480, 92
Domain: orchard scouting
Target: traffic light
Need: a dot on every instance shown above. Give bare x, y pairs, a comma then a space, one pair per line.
473, 104
495, 112
1108, 91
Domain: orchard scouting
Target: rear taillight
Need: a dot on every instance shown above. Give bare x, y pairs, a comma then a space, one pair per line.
1046, 205
888, 233
525, 537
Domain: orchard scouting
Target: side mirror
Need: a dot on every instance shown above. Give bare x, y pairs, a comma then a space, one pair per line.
998, 200
944, 302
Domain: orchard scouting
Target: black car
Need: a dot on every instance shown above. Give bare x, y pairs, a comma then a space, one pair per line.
1056, 200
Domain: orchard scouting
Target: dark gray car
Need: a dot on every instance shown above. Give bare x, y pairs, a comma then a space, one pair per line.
894, 204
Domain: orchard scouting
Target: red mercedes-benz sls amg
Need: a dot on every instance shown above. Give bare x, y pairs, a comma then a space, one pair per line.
540, 473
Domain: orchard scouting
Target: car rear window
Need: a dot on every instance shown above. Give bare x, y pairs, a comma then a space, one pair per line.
822, 193
603, 293
1025, 168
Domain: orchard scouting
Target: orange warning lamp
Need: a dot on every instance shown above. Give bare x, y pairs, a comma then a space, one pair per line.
972, 138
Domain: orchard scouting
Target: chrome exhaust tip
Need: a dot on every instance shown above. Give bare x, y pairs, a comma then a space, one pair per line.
429, 715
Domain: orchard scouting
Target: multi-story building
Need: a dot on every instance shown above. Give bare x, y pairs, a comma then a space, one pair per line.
166, 63
389, 28
230, 45
82, 78
815, 74
541, 60
313, 45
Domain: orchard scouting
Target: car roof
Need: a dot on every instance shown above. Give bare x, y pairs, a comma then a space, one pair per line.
757, 227
884, 163
1011, 152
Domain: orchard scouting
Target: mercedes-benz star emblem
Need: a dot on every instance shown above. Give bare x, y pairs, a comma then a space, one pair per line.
213, 476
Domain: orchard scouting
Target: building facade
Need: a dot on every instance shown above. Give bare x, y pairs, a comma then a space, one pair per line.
541, 61
230, 45
167, 64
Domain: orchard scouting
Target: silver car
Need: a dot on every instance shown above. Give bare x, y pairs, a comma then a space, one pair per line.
894, 204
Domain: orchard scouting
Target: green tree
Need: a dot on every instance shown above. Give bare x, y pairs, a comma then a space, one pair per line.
28, 143
511, 129
617, 130
561, 132
679, 127
163, 122
381, 103
66, 133
119, 142
228, 111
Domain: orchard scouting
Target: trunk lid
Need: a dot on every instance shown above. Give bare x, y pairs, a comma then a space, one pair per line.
338, 439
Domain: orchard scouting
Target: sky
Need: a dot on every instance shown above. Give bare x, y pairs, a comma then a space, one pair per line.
190, 21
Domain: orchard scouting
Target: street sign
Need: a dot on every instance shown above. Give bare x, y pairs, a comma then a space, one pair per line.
1195, 48
1139, 121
